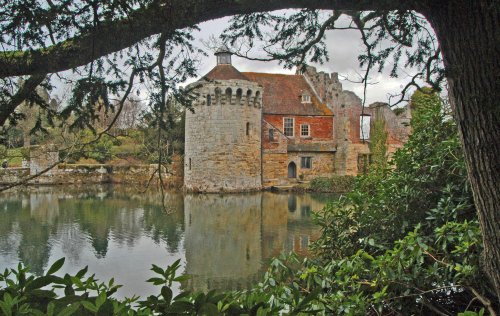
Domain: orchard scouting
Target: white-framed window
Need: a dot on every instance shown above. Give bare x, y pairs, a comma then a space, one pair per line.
364, 127
306, 162
288, 126
306, 98
304, 130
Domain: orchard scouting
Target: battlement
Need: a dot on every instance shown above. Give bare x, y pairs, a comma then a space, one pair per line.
228, 92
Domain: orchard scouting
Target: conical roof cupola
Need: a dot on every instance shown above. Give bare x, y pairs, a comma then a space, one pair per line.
224, 69
223, 55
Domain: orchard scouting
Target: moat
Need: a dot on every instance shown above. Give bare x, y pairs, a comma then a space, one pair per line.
223, 241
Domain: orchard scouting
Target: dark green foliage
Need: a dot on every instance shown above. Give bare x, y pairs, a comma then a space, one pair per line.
406, 238
337, 184
378, 145
426, 176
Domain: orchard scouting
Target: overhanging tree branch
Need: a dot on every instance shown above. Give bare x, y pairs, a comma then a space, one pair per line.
159, 17
21, 95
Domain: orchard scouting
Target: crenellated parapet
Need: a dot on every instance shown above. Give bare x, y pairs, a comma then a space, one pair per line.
228, 92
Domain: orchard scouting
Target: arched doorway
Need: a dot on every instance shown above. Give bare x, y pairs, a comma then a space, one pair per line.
292, 170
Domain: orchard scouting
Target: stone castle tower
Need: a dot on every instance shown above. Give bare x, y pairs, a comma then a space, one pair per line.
223, 135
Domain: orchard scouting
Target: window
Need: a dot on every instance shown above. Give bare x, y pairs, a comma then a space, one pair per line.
209, 100
306, 162
248, 129
304, 130
364, 127
288, 126
271, 135
239, 93
189, 163
217, 95
257, 98
249, 96
229, 94
224, 59
306, 98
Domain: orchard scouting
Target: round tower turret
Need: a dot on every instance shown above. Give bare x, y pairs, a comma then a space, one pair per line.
223, 135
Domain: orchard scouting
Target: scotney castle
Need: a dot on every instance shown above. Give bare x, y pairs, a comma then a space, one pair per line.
255, 130
249, 131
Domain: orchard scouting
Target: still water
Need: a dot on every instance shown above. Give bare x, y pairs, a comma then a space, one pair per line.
223, 241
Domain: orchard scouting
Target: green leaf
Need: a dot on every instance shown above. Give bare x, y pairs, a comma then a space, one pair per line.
69, 310
43, 293
157, 269
50, 309
209, 309
100, 300
167, 294
82, 272
6, 308
156, 281
56, 266
43, 281
89, 306
182, 278
181, 307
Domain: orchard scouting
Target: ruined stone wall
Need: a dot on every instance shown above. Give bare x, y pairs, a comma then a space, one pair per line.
347, 108
223, 139
43, 157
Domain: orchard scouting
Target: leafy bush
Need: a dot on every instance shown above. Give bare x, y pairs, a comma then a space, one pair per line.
425, 182
406, 238
332, 184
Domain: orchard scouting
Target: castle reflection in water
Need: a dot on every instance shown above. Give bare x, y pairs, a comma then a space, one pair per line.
223, 241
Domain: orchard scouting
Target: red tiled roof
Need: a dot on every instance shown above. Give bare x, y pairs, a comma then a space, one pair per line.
283, 95
224, 72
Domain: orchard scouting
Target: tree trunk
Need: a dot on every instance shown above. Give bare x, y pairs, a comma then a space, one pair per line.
469, 35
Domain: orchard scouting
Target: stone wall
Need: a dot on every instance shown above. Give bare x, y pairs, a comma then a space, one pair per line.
97, 173
223, 139
322, 164
43, 157
13, 175
274, 169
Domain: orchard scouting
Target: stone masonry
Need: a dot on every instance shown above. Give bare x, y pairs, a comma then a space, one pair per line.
223, 138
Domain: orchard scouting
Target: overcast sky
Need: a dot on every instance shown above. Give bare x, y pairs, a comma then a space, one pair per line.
344, 47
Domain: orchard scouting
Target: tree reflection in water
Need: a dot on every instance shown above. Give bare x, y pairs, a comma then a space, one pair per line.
224, 240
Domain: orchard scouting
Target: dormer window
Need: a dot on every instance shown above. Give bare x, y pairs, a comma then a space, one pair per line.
306, 98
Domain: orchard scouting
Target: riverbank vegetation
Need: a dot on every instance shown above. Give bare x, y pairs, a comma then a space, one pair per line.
336, 184
405, 240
